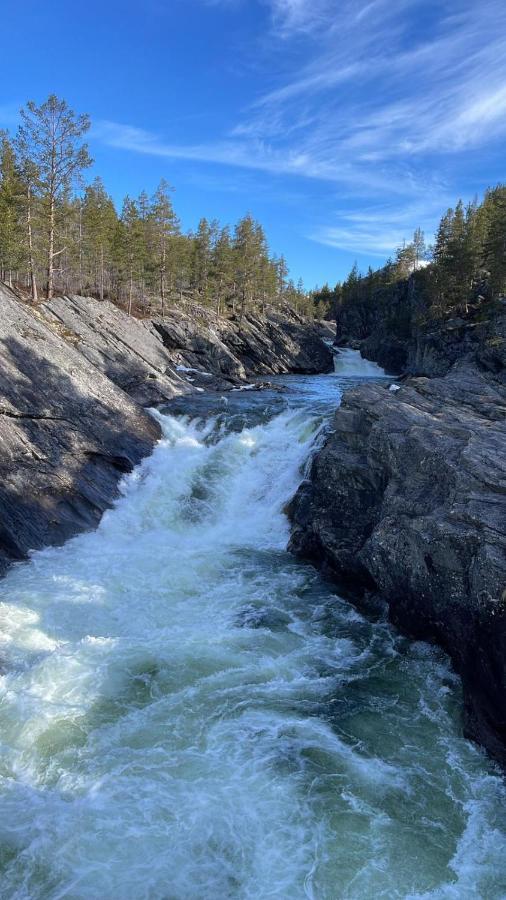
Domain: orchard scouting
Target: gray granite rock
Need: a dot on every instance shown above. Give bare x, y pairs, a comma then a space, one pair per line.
128, 350
155, 361
67, 434
75, 374
407, 499
275, 343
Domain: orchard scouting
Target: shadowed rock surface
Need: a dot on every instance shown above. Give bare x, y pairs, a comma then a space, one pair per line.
155, 361
75, 374
67, 434
275, 343
407, 499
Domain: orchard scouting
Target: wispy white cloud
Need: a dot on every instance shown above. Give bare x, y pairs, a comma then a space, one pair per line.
300, 16
308, 160
383, 87
379, 230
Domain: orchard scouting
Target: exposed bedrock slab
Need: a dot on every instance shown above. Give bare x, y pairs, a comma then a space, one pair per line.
67, 434
75, 374
155, 361
273, 343
407, 498
128, 350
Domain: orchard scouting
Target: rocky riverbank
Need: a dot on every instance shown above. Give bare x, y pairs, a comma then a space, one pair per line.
407, 499
76, 374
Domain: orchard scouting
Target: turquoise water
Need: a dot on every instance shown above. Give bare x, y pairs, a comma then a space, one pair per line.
187, 712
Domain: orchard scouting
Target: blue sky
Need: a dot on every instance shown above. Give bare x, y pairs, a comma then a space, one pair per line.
340, 125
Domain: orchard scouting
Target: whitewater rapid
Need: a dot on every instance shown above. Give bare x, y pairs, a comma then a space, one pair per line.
350, 363
187, 713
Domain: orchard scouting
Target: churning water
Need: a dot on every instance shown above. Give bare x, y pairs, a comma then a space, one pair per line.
349, 363
187, 713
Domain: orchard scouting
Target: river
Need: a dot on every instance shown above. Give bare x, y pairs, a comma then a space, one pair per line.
188, 713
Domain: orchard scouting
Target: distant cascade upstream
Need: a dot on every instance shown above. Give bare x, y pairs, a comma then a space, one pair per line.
187, 713
351, 363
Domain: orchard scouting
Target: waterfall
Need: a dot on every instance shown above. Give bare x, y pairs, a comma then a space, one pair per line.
186, 712
351, 363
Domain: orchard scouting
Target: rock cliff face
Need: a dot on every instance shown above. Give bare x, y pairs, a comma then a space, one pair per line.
407, 499
154, 361
67, 434
233, 350
396, 331
75, 374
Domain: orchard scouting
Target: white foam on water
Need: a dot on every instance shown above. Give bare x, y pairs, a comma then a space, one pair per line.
187, 713
350, 363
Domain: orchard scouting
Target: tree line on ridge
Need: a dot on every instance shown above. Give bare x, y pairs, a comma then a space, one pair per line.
461, 275
55, 238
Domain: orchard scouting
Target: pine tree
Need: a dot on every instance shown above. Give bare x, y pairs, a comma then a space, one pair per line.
458, 261
405, 260
49, 137
202, 255
442, 261
130, 248
182, 252
29, 195
281, 277
419, 248
248, 252
99, 223
222, 267
67, 266
165, 227
494, 244
11, 242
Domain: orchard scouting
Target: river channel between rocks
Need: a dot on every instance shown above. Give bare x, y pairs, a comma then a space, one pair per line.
188, 713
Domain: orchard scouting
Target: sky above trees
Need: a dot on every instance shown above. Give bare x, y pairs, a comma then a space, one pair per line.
340, 125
